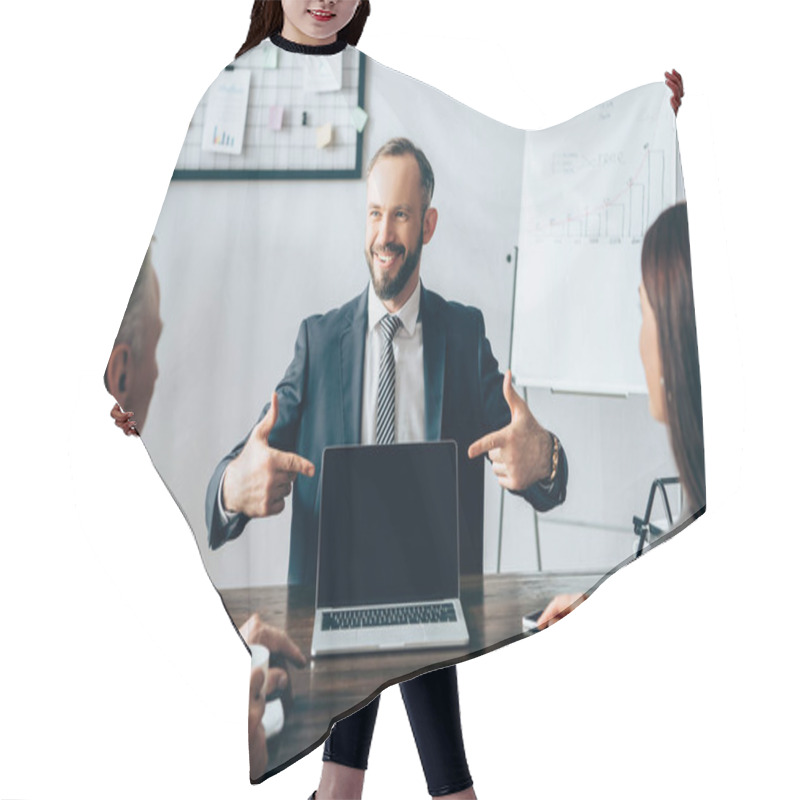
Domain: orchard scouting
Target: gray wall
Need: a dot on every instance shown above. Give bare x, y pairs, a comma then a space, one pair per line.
242, 263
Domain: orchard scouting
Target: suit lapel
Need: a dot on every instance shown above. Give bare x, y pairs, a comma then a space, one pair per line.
433, 355
352, 362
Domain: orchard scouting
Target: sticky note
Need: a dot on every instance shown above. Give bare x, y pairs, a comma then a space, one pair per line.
360, 118
275, 118
324, 135
271, 57
322, 74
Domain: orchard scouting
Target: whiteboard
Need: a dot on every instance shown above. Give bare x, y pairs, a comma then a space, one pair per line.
591, 187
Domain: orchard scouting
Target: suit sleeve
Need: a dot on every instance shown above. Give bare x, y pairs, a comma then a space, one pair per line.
222, 526
542, 495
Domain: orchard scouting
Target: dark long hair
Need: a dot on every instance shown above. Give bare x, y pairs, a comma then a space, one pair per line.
667, 278
266, 18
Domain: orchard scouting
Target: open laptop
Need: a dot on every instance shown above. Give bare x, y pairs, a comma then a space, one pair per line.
388, 564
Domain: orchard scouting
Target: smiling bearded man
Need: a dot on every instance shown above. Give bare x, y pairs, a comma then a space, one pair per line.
399, 218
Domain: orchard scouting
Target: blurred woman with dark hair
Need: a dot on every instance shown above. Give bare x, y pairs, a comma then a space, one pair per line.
668, 348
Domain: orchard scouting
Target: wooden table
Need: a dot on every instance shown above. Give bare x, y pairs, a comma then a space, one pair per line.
333, 686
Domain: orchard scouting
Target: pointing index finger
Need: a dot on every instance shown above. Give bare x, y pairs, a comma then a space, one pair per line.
291, 462
485, 444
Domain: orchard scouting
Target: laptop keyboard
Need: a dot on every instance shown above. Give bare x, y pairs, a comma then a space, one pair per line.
378, 617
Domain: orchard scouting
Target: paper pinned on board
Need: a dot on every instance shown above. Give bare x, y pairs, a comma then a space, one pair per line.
322, 74
226, 112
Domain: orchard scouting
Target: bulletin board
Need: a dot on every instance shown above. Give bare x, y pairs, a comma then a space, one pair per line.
278, 86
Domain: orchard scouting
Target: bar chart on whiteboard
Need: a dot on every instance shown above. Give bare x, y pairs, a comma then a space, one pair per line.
591, 188
624, 214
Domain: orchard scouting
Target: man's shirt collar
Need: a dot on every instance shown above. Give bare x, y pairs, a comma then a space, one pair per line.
407, 315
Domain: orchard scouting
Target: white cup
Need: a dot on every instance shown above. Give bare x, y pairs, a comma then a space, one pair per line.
273, 718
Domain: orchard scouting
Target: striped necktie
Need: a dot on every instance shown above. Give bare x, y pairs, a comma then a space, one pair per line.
384, 415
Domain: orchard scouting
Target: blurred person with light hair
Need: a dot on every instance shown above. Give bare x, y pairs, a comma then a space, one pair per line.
132, 369
131, 376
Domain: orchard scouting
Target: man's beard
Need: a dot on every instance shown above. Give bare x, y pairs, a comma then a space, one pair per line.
388, 288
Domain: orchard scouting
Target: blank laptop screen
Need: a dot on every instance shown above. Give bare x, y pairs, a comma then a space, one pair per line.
388, 525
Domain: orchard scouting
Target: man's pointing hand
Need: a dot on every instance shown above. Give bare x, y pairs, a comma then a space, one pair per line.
260, 478
521, 452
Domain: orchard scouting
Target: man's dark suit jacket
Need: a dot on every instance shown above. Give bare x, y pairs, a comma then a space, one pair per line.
319, 402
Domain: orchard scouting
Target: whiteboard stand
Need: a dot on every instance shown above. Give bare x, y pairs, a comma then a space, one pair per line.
525, 395
535, 512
